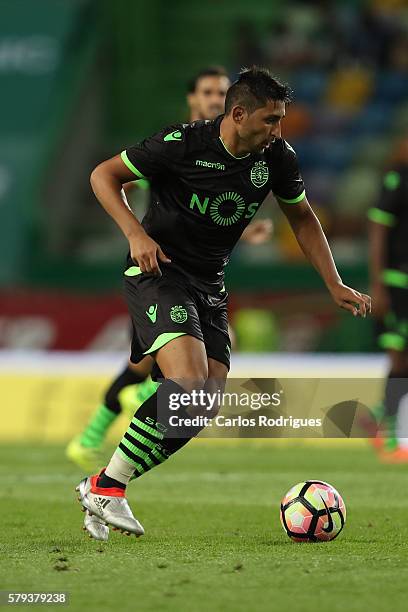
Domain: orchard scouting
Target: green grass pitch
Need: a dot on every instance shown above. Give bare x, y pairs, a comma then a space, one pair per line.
213, 537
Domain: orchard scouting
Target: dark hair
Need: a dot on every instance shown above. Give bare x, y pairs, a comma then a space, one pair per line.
253, 88
217, 71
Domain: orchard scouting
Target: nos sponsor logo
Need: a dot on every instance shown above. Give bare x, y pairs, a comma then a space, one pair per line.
226, 209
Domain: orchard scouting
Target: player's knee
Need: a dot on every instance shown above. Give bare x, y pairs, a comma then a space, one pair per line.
193, 381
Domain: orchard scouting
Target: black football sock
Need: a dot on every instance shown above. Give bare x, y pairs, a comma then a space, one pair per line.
106, 482
151, 437
126, 378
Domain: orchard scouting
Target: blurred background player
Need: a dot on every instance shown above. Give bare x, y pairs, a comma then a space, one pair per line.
205, 99
389, 279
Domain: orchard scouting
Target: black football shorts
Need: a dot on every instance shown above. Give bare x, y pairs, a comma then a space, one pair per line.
163, 308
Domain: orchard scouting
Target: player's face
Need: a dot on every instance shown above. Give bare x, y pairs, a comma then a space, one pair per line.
208, 100
260, 128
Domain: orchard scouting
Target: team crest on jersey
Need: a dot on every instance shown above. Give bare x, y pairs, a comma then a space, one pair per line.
178, 314
259, 174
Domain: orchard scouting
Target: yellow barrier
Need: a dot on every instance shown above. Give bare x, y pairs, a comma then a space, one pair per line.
54, 407
51, 408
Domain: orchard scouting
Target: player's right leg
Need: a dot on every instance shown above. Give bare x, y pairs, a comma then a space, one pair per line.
165, 323
85, 449
184, 359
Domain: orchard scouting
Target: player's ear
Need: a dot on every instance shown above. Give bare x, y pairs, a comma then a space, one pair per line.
238, 113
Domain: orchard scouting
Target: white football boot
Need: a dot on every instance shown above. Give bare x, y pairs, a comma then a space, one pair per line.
109, 505
96, 527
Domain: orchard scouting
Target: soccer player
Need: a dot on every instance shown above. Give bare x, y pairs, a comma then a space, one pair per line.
208, 180
389, 280
205, 99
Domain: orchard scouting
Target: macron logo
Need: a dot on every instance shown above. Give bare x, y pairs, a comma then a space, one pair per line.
207, 164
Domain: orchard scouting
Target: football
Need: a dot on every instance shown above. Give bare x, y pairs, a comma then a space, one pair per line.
313, 511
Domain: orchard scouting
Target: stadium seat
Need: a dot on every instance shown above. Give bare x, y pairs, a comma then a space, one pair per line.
391, 87
373, 119
309, 86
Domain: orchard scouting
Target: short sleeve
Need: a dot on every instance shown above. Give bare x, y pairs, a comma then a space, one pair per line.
288, 186
386, 210
157, 154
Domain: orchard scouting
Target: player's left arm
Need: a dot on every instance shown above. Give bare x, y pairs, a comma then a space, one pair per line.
313, 242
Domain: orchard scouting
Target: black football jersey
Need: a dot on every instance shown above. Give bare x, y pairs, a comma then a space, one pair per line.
203, 197
392, 211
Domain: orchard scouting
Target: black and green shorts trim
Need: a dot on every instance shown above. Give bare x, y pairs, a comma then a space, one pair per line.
168, 307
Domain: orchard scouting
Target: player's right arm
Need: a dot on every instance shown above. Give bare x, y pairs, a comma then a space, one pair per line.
290, 193
107, 180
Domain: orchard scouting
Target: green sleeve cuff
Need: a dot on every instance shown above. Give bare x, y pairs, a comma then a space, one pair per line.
131, 167
395, 278
143, 184
392, 180
381, 216
293, 200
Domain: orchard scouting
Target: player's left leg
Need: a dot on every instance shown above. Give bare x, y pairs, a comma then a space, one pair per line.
183, 359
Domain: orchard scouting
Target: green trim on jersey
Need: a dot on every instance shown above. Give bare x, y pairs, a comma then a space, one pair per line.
143, 184
131, 167
229, 152
162, 340
392, 341
395, 278
392, 180
381, 216
133, 271
293, 200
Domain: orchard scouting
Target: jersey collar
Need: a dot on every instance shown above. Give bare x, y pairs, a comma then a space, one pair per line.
220, 144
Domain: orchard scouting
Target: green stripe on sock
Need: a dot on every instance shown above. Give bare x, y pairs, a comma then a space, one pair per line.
137, 436
150, 430
139, 471
95, 432
128, 459
139, 453
158, 455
